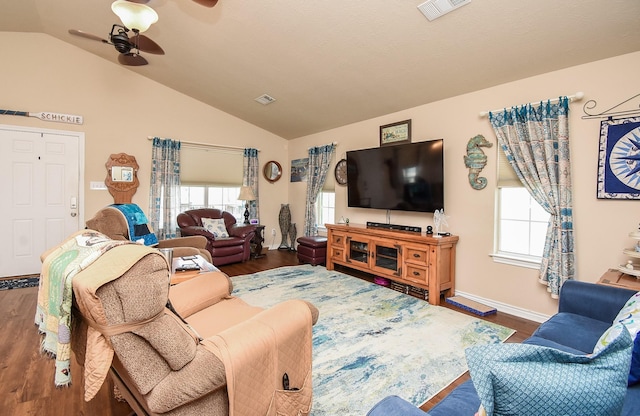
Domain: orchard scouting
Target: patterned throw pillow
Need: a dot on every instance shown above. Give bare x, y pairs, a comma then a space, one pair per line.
523, 379
629, 316
215, 227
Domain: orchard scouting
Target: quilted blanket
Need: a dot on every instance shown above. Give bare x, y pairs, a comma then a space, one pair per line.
137, 223
55, 293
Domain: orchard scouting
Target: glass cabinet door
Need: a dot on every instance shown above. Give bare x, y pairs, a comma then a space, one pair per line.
358, 251
386, 258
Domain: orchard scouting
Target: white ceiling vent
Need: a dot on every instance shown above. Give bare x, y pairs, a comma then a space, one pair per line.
432, 9
265, 99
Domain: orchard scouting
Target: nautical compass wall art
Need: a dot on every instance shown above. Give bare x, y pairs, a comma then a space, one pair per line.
619, 159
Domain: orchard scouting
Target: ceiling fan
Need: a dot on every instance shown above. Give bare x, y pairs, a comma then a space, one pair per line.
128, 47
136, 17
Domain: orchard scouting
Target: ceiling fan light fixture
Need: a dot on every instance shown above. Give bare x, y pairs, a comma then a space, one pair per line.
135, 16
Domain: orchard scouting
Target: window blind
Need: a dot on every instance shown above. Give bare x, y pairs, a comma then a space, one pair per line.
200, 165
330, 181
506, 175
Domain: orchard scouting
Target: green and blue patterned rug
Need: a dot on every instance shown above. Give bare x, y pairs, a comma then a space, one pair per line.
371, 341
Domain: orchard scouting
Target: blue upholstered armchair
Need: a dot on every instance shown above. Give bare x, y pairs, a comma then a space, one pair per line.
586, 311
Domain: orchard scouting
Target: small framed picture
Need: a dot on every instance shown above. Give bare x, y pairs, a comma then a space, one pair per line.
299, 170
619, 159
121, 174
395, 133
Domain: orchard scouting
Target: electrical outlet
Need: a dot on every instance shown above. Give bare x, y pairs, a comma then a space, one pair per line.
273, 231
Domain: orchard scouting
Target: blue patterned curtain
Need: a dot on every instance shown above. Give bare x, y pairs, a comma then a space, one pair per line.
250, 176
535, 140
164, 201
319, 160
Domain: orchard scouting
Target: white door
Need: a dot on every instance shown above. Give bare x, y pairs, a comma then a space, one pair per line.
40, 194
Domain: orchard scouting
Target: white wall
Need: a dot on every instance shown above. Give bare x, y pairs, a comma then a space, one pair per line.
121, 109
601, 226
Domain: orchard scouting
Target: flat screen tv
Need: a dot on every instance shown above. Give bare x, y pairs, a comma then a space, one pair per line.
408, 177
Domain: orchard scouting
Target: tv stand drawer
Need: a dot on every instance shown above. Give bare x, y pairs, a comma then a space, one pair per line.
417, 274
337, 254
417, 255
338, 240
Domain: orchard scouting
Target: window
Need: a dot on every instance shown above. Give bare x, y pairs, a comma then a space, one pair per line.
211, 178
325, 208
212, 196
521, 223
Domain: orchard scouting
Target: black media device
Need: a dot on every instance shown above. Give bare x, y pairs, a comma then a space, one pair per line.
395, 227
408, 177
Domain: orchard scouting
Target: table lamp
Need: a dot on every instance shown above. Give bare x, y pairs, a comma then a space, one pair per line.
246, 194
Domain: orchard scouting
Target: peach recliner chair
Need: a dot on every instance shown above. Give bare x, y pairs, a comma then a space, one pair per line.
168, 364
111, 222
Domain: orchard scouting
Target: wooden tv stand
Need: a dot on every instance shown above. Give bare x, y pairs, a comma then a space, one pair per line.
404, 257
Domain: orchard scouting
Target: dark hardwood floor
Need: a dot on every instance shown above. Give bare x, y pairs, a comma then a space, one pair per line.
26, 376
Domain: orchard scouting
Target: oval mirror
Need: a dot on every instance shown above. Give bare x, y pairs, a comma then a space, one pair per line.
272, 171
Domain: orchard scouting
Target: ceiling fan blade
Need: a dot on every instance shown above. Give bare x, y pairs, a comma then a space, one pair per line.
145, 44
132, 59
87, 35
207, 3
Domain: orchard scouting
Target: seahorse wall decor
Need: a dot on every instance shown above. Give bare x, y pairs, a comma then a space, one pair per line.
476, 160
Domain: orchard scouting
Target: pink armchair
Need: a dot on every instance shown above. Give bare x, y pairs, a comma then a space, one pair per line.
224, 250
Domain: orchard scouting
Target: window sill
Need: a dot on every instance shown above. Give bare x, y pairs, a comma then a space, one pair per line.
529, 262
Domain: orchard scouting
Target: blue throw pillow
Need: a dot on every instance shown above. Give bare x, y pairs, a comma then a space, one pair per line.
629, 316
634, 373
522, 380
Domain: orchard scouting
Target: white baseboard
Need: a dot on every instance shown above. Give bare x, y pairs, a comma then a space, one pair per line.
503, 307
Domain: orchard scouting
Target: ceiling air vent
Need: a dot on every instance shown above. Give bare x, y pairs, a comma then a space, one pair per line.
432, 9
265, 99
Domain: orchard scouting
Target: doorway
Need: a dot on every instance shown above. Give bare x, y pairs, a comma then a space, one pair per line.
42, 194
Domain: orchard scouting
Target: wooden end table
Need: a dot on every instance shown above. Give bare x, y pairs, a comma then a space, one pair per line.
613, 277
256, 242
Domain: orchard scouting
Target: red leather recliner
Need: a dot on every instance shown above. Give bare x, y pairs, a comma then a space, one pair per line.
224, 250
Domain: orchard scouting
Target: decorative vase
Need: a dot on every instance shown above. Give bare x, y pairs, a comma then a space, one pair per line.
293, 232
285, 222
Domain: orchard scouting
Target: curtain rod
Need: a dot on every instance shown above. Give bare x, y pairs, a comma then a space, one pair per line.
207, 145
575, 97
333, 143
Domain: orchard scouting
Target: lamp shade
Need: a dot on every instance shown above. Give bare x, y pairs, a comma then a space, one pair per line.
134, 15
246, 194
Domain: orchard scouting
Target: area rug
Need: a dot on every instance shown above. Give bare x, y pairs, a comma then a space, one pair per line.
371, 341
19, 282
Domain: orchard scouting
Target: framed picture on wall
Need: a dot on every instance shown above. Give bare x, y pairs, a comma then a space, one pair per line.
619, 159
395, 133
299, 170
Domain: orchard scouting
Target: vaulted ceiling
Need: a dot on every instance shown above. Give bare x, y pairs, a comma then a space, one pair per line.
334, 62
